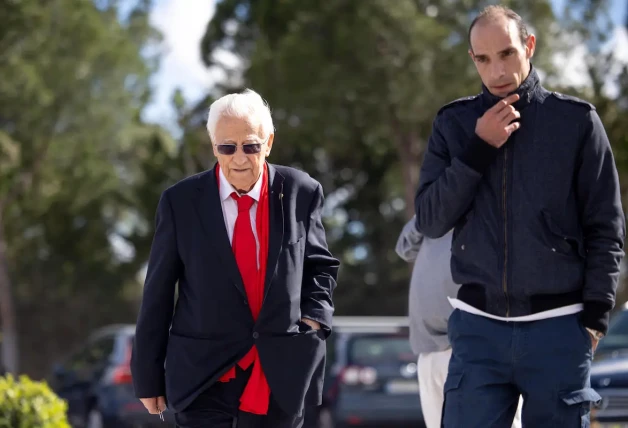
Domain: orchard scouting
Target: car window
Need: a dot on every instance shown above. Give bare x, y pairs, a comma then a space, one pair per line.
94, 352
617, 336
380, 349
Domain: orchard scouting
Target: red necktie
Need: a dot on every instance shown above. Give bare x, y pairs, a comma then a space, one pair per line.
244, 247
256, 394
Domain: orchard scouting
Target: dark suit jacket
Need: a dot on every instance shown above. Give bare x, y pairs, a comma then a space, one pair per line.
211, 327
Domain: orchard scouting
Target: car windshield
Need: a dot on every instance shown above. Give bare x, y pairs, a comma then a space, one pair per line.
380, 349
617, 335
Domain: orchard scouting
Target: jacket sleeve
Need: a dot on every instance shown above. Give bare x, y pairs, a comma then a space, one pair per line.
409, 241
603, 223
447, 185
320, 269
155, 315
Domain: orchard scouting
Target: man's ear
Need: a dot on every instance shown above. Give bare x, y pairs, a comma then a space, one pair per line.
530, 46
269, 144
214, 149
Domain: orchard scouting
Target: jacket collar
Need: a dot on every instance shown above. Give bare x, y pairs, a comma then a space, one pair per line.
528, 92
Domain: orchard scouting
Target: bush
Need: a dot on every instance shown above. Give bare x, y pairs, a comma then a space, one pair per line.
28, 404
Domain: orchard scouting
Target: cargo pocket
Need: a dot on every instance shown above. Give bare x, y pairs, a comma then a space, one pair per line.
452, 405
582, 399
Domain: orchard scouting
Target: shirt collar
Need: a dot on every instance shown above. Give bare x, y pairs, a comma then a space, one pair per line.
226, 189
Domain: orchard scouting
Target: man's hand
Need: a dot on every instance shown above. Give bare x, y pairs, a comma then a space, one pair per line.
495, 125
594, 342
154, 405
315, 325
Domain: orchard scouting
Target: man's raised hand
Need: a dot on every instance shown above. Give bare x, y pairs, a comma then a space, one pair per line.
496, 125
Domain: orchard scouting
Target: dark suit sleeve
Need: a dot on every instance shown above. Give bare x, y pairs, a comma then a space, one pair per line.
320, 269
603, 223
155, 316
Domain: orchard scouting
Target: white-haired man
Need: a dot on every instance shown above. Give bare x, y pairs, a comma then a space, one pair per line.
245, 344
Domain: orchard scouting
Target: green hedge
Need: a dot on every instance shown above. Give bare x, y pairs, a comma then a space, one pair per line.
29, 404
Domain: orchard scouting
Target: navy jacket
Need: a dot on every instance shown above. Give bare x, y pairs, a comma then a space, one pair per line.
539, 222
182, 349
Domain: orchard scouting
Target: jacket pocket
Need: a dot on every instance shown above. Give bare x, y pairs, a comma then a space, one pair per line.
294, 241
461, 233
560, 241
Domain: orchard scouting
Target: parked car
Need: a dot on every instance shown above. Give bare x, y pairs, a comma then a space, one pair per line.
96, 382
609, 378
370, 381
371, 376
609, 374
616, 340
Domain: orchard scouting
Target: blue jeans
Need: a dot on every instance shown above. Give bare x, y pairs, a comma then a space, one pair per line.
548, 362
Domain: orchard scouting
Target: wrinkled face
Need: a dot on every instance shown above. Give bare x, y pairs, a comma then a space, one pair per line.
501, 59
241, 169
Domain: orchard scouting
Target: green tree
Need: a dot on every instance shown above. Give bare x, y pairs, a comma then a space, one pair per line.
73, 80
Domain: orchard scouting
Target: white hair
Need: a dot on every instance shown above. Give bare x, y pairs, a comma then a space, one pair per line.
247, 104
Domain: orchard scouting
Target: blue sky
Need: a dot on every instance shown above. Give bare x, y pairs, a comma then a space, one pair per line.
183, 26
618, 9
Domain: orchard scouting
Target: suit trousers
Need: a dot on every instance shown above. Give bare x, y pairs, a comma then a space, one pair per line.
217, 407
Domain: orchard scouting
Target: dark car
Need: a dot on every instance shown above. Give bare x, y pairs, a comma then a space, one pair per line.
609, 374
96, 382
609, 378
371, 376
616, 339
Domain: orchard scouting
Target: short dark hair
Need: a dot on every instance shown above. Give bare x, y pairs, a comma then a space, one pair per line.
494, 11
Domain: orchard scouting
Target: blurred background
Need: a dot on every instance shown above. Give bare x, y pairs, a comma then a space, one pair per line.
103, 104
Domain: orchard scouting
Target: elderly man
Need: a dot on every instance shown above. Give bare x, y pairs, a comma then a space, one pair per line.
244, 346
526, 177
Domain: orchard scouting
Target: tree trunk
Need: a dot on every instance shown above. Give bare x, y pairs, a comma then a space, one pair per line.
9, 341
410, 151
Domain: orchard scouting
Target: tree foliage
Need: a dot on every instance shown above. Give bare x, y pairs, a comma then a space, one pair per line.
74, 81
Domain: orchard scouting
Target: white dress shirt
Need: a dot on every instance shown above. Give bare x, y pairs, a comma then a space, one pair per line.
230, 207
550, 313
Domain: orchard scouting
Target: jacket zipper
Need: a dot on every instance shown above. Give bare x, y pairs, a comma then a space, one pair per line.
505, 213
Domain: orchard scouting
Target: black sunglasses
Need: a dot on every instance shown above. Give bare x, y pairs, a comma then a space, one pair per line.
230, 149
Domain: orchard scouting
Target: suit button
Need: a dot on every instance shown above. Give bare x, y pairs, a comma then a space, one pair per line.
255, 335
246, 303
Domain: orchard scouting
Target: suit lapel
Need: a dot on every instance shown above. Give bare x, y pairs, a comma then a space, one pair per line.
209, 209
276, 220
